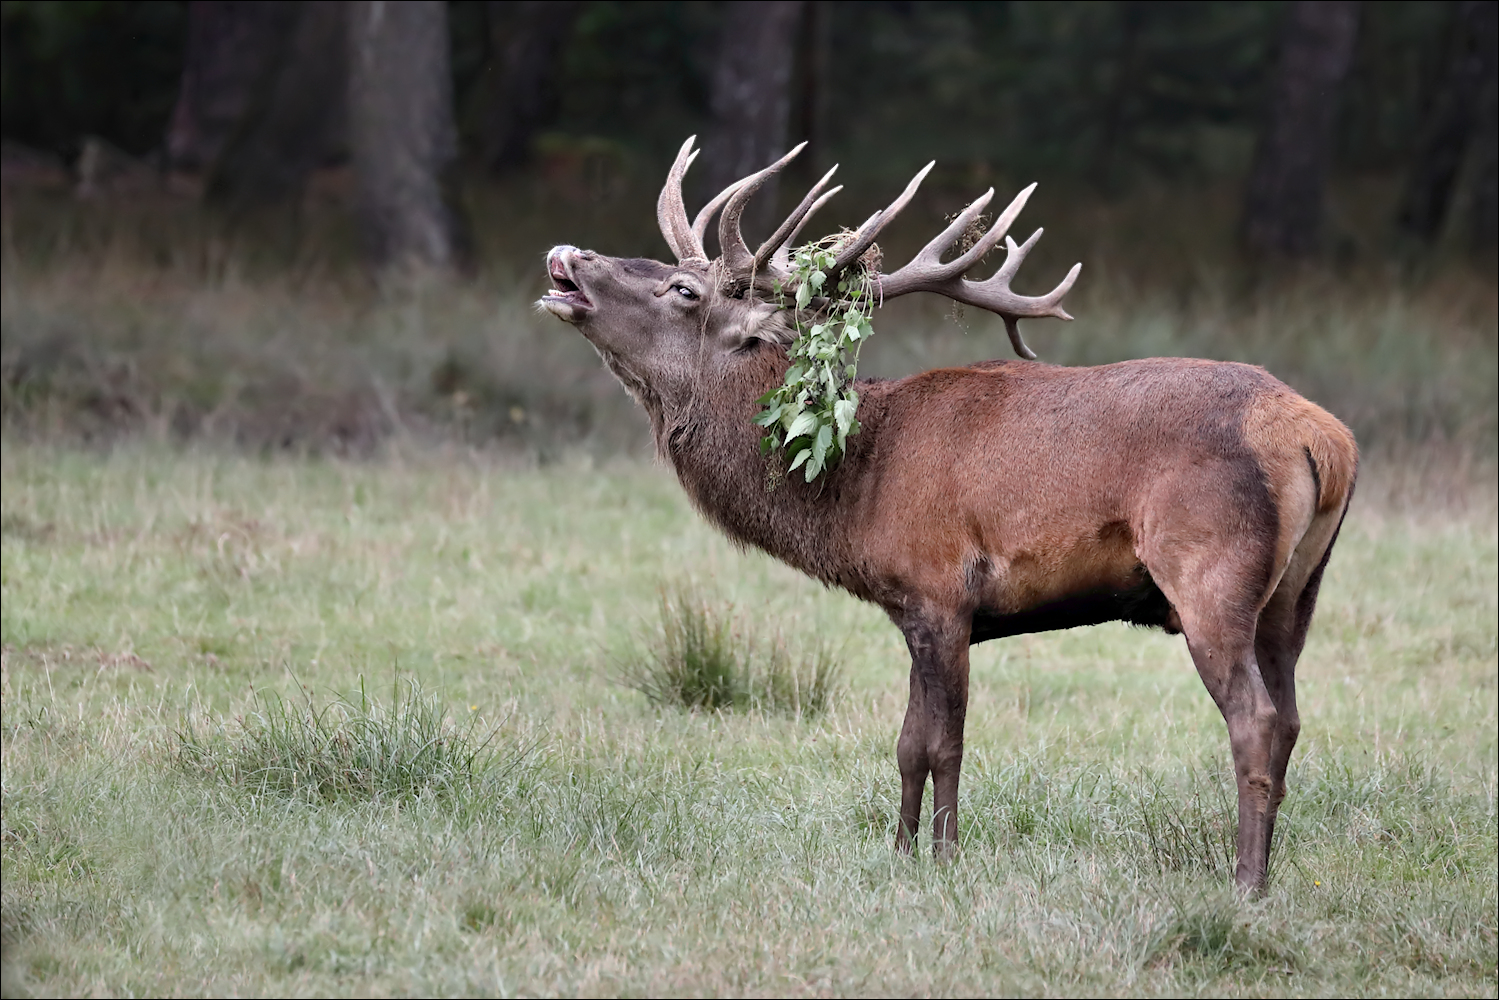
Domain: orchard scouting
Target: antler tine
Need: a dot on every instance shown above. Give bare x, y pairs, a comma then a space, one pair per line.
706, 213
878, 221
994, 294
793, 221
926, 272
780, 261
1049, 304
928, 262
927, 267
671, 211
996, 232
735, 253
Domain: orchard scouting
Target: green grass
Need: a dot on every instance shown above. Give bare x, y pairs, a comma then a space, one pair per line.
348, 748
162, 610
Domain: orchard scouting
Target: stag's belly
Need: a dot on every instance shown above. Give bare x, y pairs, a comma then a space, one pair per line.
1140, 604
1095, 579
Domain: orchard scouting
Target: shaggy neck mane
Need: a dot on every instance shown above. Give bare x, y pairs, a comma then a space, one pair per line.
714, 447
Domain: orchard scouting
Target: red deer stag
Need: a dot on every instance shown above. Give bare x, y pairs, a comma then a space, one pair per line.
994, 499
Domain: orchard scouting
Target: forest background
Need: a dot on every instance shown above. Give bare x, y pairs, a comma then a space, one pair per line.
1194, 156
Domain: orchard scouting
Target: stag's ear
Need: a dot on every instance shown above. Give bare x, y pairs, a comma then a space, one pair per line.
762, 321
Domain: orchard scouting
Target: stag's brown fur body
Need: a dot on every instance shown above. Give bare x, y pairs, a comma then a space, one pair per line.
1003, 497
1013, 497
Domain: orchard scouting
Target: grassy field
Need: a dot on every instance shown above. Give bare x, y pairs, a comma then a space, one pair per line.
170, 617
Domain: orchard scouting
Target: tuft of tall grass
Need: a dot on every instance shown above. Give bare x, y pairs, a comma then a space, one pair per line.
351, 748
704, 657
1195, 835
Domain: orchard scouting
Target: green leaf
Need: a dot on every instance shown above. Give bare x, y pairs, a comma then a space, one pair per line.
843, 414
821, 442
805, 423
811, 415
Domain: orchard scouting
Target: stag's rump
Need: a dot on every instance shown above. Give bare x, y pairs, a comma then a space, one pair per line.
1039, 497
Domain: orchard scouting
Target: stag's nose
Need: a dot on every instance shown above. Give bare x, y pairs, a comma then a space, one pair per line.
561, 260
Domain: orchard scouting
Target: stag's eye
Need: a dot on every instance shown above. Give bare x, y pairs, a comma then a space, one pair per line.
685, 292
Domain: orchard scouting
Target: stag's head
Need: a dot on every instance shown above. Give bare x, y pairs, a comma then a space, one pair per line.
660, 326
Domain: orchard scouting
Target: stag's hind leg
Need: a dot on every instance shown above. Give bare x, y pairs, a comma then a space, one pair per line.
1223, 649
1279, 640
1215, 561
1277, 647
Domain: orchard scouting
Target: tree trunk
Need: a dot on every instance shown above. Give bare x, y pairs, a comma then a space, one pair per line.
402, 135
295, 118
813, 84
229, 45
1450, 121
525, 37
751, 98
1283, 206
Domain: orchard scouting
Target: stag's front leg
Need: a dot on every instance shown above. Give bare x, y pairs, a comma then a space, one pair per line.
931, 740
911, 755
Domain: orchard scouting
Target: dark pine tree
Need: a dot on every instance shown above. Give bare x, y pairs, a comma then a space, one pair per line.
751, 98
292, 113
1451, 120
1283, 204
525, 38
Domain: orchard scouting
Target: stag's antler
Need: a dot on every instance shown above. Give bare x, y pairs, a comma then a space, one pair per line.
737, 259
864, 236
927, 273
671, 211
686, 239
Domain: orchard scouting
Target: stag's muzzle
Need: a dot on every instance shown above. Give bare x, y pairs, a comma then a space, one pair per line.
566, 299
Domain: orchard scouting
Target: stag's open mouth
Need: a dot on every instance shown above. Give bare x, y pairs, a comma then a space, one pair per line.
565, 299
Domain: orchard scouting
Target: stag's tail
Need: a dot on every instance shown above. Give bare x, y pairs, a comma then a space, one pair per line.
1331, 455
1298, 441
1310, 463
